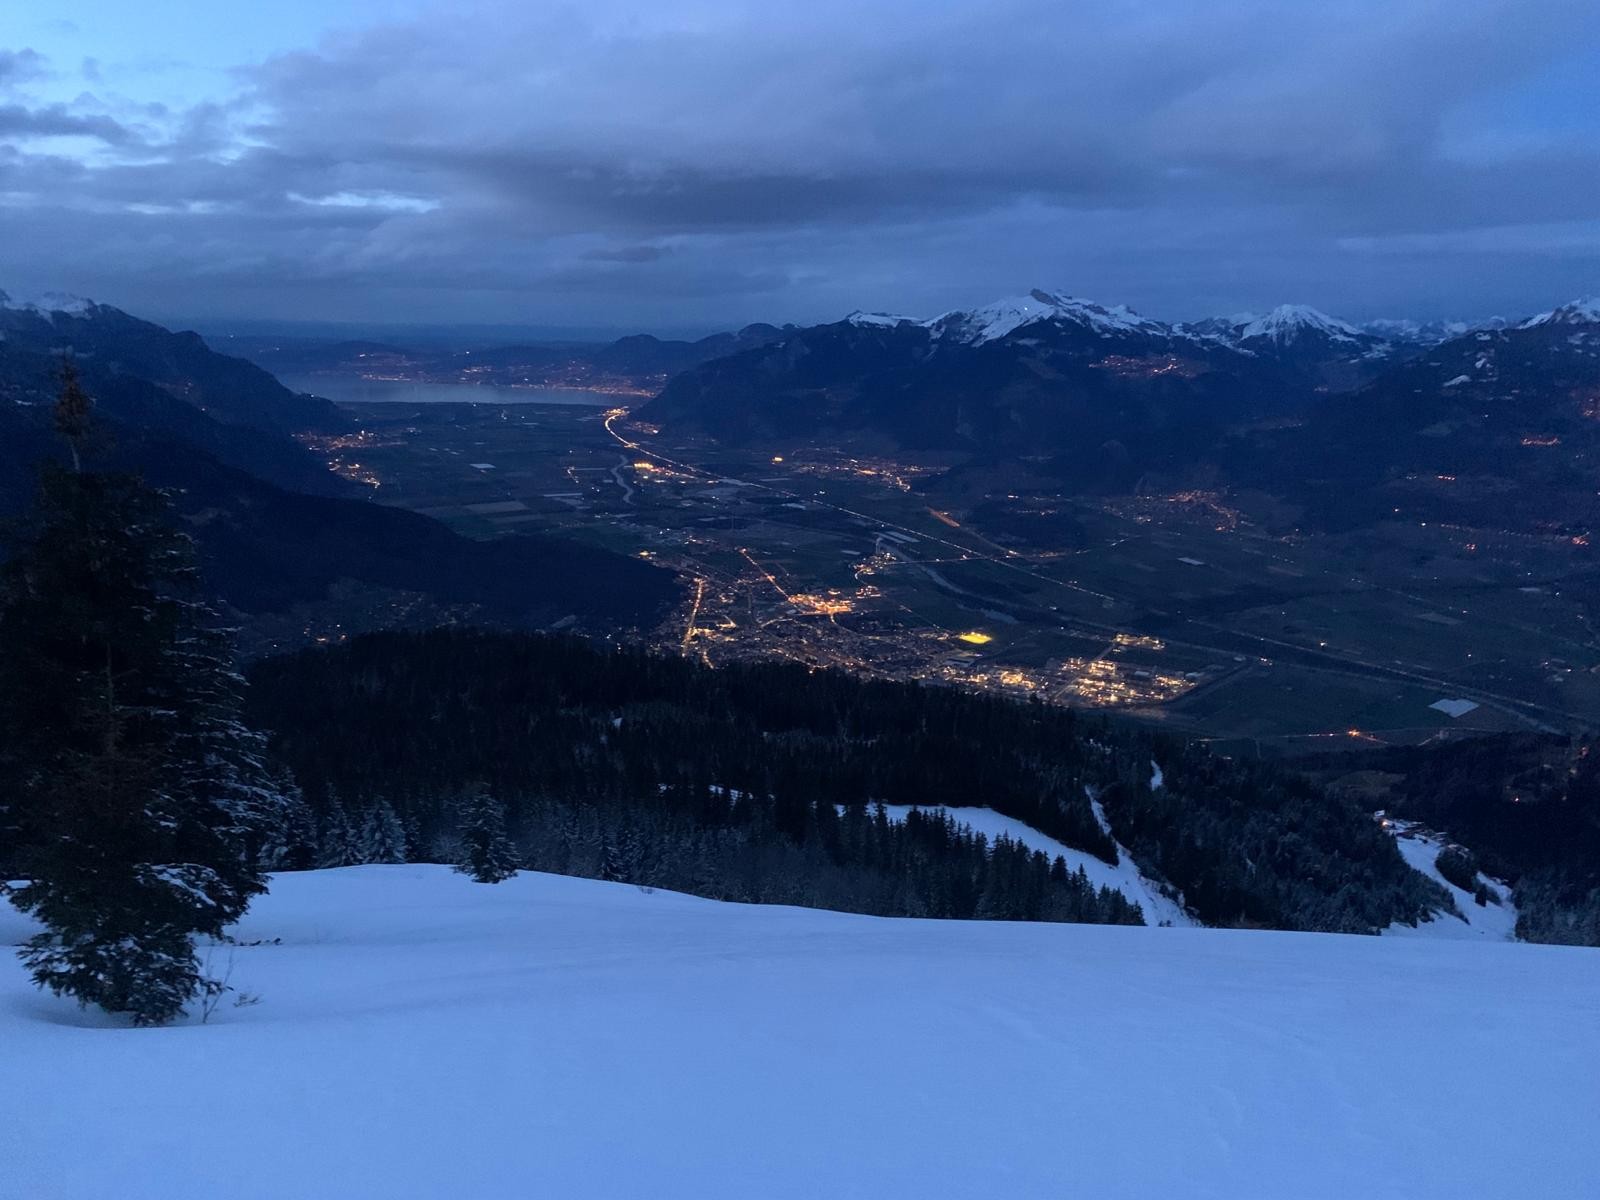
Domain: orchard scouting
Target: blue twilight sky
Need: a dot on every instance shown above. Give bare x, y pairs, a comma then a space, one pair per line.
701, 163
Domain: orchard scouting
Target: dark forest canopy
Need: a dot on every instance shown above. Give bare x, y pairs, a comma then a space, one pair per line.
758, 781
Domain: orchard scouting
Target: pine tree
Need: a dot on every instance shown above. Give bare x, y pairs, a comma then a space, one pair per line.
73, 414
411, 831
486, 852
383, 837
291, 844
336, 845
613, 862
216, 754
135, 793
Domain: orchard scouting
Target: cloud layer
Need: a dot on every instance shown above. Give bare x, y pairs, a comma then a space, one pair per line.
705, 163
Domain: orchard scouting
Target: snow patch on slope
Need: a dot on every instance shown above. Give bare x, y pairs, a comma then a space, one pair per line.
1124, 877
1159, 908
1488, 922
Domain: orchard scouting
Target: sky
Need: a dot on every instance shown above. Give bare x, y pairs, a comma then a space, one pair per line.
698, 164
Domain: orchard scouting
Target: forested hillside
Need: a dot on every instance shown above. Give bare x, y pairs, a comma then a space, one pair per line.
1524, 808
756, 782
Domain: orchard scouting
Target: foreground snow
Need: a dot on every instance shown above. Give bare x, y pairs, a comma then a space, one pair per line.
423, 1036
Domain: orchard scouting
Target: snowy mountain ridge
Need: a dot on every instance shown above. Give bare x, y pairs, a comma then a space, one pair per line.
48, 303
1583, 311
878, 320
1284, 328
1003, 317
1289, 322
1406, 331
1006, 316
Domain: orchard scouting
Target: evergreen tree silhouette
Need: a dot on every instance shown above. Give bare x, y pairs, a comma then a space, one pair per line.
136, 794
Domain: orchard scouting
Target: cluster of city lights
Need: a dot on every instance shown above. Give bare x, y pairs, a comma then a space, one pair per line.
1100, 681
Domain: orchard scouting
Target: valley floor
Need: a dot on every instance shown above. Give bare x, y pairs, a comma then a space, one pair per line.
419, 1035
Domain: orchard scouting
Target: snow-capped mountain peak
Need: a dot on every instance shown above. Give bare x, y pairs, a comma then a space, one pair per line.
878, 320
1290, 322
1003, 317
47, 303
1579, 312
1407, 332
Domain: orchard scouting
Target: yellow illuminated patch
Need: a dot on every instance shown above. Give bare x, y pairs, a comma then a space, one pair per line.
974, 638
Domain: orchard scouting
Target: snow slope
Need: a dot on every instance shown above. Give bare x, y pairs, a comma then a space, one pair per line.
423, 1036
1495, 922
1124, 877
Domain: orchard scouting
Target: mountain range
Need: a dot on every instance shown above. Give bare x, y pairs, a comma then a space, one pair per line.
1292, 334
1095, 397
274, 527
1498, 426
1111, 394
1295, 336
1350, 424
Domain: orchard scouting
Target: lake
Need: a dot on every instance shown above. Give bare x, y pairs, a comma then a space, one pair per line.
349, 389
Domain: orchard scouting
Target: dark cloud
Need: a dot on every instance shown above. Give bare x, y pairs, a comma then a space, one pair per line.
18, 66
722, 161
54, 120
627, 254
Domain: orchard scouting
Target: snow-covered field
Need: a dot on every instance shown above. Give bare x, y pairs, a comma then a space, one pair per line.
419, 1035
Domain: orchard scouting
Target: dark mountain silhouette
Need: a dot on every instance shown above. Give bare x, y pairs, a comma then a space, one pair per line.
274, 527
